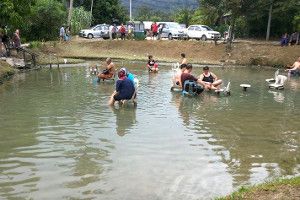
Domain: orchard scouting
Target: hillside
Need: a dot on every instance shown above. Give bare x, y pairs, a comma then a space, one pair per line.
163, 5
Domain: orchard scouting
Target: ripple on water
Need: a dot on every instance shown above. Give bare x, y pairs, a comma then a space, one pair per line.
67, 143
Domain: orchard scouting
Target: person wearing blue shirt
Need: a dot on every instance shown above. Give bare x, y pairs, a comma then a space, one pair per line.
124, 88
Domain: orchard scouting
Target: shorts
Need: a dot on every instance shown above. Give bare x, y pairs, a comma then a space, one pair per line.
207, 83
155, 34
119, 97
105, 76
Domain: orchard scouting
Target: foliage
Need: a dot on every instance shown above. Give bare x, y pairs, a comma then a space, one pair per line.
80, 19
108, 11
250, 17
183, 16
15, 13
47, 17
144, 13
35, 44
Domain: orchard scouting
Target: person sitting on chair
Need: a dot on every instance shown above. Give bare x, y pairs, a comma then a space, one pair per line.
187, 76
152, 64
124, 89
209, 80
108, 72
177, 78
295, 68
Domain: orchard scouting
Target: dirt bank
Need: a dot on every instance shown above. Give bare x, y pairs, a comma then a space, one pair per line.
243, 52
6, 71
278, 189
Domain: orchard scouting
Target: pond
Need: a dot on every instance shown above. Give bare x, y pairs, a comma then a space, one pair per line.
60, 140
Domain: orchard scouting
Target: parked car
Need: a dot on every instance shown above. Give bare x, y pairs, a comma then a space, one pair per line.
98, 31
171, 30
202, 32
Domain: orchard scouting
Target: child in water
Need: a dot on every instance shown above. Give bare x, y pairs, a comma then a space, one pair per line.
152, 64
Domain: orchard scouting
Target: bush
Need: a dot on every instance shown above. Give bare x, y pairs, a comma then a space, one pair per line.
35, 44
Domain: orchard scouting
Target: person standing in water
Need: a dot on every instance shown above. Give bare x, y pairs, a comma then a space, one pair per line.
183, 59
108, 72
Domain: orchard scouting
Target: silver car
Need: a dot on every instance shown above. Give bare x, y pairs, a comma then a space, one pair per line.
98, 31
171, 30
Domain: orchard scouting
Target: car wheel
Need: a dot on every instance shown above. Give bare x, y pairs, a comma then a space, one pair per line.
90, 36
170, 36
203, 38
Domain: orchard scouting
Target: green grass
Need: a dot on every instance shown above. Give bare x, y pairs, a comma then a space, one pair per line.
268, 186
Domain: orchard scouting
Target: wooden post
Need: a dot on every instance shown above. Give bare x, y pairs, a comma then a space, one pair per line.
50, 61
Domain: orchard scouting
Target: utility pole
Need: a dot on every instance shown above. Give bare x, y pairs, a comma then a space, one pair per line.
269, 21
130, 10
92, 4
70, 12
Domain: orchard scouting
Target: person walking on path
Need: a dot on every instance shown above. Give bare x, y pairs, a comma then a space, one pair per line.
62, 33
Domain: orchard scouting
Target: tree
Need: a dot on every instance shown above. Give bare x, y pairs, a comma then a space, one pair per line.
144, 13
15, 13
183, 16
104, 11
46, 19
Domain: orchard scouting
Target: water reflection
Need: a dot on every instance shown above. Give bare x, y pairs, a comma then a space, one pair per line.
58, 137
278, 96
125, 119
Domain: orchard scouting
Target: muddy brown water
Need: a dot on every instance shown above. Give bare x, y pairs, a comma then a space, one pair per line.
60, 140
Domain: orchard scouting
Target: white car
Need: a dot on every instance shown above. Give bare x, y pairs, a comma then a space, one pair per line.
202, 32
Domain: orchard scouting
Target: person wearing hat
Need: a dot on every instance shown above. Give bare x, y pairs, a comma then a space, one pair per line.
209, 80
124, 88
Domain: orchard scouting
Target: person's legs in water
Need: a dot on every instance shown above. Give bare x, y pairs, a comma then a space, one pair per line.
216, 84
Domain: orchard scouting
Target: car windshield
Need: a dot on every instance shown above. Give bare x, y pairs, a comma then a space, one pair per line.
94, 27
175, 26
207, 28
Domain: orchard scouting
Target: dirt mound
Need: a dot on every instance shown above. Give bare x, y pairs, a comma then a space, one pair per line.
243, 53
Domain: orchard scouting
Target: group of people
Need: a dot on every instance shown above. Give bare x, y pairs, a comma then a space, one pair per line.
293, 39
156, 30
125, 85
64, 33
125, 32
6, 42
206, 81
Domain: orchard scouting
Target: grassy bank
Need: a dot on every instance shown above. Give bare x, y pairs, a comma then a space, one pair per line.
278, 189
198, 52
6, 71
